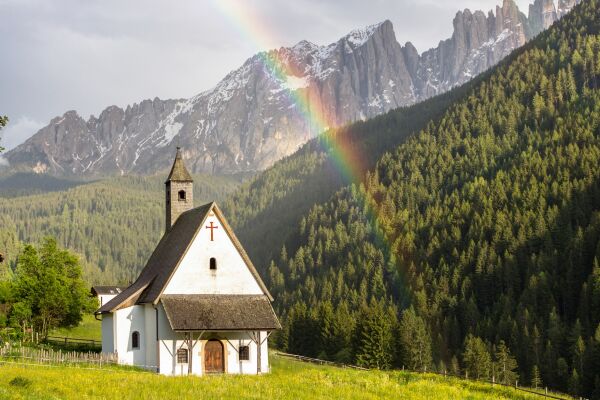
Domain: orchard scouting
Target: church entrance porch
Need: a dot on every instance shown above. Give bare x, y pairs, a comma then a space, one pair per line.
214, 358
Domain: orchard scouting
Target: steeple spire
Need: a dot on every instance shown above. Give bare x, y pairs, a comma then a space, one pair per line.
179, 172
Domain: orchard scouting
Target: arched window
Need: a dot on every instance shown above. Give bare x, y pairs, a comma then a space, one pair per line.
213, 264
135, 340
182, 195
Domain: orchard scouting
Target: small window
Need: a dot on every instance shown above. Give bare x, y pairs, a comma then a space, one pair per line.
213, 264
182, 356
244, 353
135, 340
182, 195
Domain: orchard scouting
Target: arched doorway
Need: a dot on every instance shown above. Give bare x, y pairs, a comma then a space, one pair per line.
214, 360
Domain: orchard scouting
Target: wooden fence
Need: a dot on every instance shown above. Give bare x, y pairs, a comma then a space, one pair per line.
49, 356
445, 374
318, 361
73, 341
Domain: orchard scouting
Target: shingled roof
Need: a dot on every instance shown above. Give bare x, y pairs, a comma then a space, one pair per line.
219, 312
179, 172
166, 257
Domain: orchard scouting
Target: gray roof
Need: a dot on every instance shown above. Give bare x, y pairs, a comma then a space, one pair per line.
179, 172
102, 290
164, 260
219, 312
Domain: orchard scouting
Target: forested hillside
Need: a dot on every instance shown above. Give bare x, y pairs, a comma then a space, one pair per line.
486, 224
266, 210
113, 224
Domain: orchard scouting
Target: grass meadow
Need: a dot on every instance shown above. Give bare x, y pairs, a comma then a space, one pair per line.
289, 379
89, 328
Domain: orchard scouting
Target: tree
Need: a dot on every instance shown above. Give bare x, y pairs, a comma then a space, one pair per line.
375, 337
505, 366
48, 288
476, 357
414, 341
3, 122
536, 380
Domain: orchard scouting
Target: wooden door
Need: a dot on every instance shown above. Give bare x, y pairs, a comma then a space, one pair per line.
214, 360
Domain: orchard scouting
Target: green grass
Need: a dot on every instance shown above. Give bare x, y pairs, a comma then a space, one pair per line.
89, 328
288, 380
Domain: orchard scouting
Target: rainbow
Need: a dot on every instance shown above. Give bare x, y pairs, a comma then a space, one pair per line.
248, 25
345, 158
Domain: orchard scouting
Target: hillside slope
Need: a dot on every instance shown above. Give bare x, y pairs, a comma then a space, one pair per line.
487, 223
113, 224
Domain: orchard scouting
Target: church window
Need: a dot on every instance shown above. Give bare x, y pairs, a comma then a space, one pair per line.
244, 352
182, 356
135, 340
213, 263
182, 195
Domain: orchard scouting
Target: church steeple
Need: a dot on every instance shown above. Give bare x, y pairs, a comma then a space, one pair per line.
179, 191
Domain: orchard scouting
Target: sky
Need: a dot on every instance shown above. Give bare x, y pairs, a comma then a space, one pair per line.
65, 55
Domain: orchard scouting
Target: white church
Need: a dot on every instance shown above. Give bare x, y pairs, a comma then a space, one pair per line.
199, 306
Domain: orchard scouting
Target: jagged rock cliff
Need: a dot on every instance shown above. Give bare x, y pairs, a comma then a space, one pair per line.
279, 99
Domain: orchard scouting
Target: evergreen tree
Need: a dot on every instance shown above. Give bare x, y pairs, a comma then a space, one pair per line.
476, 357
536, 380
505, 365
414, 341
375, 337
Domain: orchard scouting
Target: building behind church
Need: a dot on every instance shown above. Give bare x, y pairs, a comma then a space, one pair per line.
199, 305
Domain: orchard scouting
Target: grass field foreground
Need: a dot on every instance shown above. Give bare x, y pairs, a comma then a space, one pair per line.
288, 380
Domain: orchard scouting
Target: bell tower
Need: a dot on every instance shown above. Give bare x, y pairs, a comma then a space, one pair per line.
179, 191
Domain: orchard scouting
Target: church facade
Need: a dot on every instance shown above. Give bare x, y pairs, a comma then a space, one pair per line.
199, 306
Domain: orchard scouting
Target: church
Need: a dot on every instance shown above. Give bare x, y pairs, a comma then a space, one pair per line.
199, 305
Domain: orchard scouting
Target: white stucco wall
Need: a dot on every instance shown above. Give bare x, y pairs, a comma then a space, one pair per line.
126, 321
107, 334
105, 298
194, 275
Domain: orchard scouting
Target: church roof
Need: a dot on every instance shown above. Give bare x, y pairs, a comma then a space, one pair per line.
166, 257
213, 312
179, 172
102, 290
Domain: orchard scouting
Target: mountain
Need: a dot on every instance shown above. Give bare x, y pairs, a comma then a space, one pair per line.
258, 113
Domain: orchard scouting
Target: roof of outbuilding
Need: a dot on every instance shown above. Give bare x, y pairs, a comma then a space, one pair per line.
179, 172
219, 312
164, 260
102, 290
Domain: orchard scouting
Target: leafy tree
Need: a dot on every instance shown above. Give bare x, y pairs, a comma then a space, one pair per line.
3, 122
49, 289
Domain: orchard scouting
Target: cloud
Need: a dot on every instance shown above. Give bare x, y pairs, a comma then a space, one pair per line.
16, 132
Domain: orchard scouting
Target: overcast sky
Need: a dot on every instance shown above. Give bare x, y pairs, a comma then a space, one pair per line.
88, 54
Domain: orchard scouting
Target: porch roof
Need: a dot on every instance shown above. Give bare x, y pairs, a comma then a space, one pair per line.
219, 312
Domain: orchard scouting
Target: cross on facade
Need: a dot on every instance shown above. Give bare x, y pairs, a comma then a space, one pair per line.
211, 227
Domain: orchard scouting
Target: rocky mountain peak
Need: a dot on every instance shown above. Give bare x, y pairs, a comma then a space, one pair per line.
279, 99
